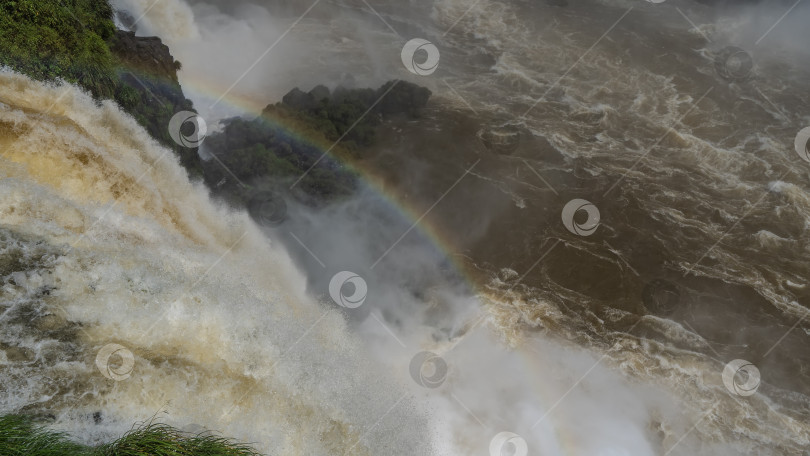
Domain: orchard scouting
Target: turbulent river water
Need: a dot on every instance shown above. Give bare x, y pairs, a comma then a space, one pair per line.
606, 341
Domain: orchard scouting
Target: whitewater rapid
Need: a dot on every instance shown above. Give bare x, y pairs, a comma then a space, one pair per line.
109, 242
128, 295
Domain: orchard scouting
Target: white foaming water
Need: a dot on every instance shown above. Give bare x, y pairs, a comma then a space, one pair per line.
625, 93
216, 341
129, 251
173, 18
110, 243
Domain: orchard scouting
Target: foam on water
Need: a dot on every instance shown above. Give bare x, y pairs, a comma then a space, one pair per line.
213, 339
106, 241
112, 243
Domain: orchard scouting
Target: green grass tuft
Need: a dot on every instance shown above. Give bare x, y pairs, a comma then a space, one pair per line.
20, 436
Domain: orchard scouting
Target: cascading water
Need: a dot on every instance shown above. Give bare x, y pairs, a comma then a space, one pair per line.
617, 341
105, 241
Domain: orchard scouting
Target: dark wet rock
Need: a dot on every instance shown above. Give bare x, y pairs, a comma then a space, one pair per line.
148, 68
404, 97
146, 55
149, 89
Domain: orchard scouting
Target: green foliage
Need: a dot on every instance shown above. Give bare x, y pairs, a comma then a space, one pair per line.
19, 436
153, 102
49, 39
257, 150
72, 40
342, 121
76, 40
127, 97
352, 114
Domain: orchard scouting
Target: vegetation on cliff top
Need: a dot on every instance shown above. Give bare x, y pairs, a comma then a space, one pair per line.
46, 40
20, 436
289, 139
76, 40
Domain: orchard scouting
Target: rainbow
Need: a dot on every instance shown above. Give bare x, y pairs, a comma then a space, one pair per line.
564, 442
440, 241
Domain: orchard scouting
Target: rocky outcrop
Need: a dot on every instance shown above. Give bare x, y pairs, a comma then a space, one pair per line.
149, 68
145, 55
149, 89
395, 97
